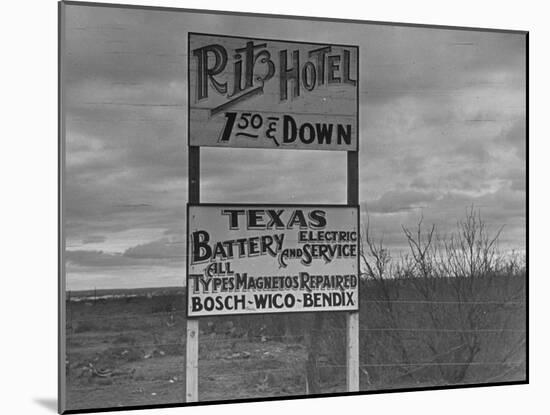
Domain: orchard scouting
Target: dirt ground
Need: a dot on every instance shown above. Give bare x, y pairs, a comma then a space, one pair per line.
128, 349
126, 353
227, 370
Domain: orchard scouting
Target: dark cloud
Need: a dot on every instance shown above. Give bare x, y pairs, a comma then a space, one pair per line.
515, 137
142, 255
472, 151
517, 179
98, 259
404, 61
160, 249
396, 200
502, 209
91, 239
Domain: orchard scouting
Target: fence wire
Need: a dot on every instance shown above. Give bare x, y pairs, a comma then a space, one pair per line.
139, 356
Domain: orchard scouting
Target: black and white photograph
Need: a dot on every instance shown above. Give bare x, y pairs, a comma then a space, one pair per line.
264, 207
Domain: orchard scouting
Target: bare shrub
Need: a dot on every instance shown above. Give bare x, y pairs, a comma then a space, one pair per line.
444, 308
379, 271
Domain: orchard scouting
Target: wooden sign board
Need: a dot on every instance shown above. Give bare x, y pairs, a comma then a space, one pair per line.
261, 93
246, 259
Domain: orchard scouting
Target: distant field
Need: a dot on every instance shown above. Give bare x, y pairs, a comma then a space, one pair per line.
127, 347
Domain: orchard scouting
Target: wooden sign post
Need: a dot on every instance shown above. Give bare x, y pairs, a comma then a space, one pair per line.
192, 339
271, 94
352, 318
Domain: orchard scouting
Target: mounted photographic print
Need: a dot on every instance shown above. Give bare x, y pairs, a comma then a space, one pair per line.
259, 207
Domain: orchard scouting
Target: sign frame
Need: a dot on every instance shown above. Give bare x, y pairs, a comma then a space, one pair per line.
297, 42
352, 199
356, 207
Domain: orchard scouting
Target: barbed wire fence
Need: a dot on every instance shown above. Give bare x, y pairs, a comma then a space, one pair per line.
140, 358
451, 313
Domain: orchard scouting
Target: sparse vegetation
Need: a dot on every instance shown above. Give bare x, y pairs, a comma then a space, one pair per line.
463, 301
450, 311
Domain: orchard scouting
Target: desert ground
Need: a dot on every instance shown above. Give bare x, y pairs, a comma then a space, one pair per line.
127, 347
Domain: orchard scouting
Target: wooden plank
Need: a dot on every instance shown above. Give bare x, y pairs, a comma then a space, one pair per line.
217, 132
353, 178
192, 335
62, 305
194, 174
272, 93
192, 361
213, 220
352, 319
352, 352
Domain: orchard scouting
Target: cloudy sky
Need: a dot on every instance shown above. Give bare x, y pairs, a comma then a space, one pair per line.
442, 128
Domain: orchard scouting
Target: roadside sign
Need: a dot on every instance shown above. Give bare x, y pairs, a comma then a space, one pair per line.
246, 92
246, 259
